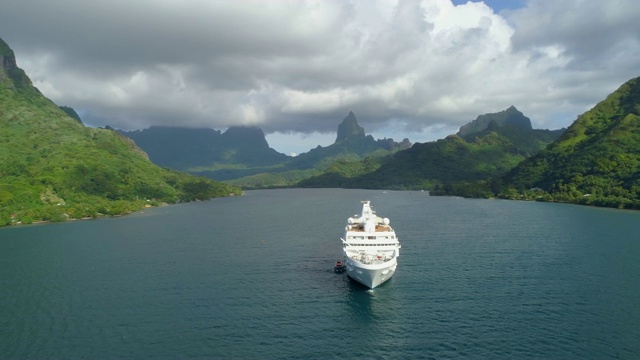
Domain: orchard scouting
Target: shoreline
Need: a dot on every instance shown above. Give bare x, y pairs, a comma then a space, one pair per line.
13, 223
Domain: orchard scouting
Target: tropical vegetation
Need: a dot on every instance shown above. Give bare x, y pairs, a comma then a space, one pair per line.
595, 162
491, 149
53, 168
241, 156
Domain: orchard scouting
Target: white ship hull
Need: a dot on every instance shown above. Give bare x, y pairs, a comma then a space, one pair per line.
371, 276
370, 248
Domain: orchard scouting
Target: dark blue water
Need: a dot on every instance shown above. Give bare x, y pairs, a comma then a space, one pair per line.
252, 277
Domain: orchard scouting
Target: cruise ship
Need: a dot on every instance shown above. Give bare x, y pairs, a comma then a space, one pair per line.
370, 248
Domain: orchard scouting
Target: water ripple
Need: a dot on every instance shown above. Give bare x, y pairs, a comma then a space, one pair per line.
481, 279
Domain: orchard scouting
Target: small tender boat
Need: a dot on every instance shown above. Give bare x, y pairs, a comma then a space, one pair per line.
340, 267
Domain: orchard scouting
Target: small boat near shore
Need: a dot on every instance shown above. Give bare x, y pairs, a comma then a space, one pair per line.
370, 248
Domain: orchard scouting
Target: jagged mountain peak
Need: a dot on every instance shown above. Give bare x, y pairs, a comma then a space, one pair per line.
508, 117
349, 128
246, 134
9, 69
596, 161
7, 58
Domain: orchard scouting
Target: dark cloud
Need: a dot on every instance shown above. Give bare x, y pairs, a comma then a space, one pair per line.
412, 69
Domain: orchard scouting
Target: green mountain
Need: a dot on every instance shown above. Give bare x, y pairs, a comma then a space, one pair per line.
595, 162
510, 117
54, 168
349, 129
71, 112
482, 151
352, 144
193, 149
242, 156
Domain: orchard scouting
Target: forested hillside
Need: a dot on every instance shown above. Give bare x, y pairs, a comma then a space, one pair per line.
596, 161
53, 168
242, 156
351, 145
487, 149
193, 150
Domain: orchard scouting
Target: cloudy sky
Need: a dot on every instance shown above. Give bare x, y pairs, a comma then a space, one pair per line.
415, 69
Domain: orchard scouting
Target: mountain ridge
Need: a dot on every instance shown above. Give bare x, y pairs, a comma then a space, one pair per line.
53, 168
352, 144
349, 129
595, 162
486, 149
183, 148
508, 117
243, 152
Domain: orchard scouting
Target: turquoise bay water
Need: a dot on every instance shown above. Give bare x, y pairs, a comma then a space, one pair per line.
252, 277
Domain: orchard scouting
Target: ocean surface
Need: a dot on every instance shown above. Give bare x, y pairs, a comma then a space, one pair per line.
251, 277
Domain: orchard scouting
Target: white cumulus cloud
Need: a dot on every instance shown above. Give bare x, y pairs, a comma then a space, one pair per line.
416, 69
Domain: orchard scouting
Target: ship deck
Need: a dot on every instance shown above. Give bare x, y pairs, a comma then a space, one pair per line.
379, 228
370, 259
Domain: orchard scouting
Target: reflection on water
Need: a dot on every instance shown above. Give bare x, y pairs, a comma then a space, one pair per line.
361, 302
372, 305
252, 277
